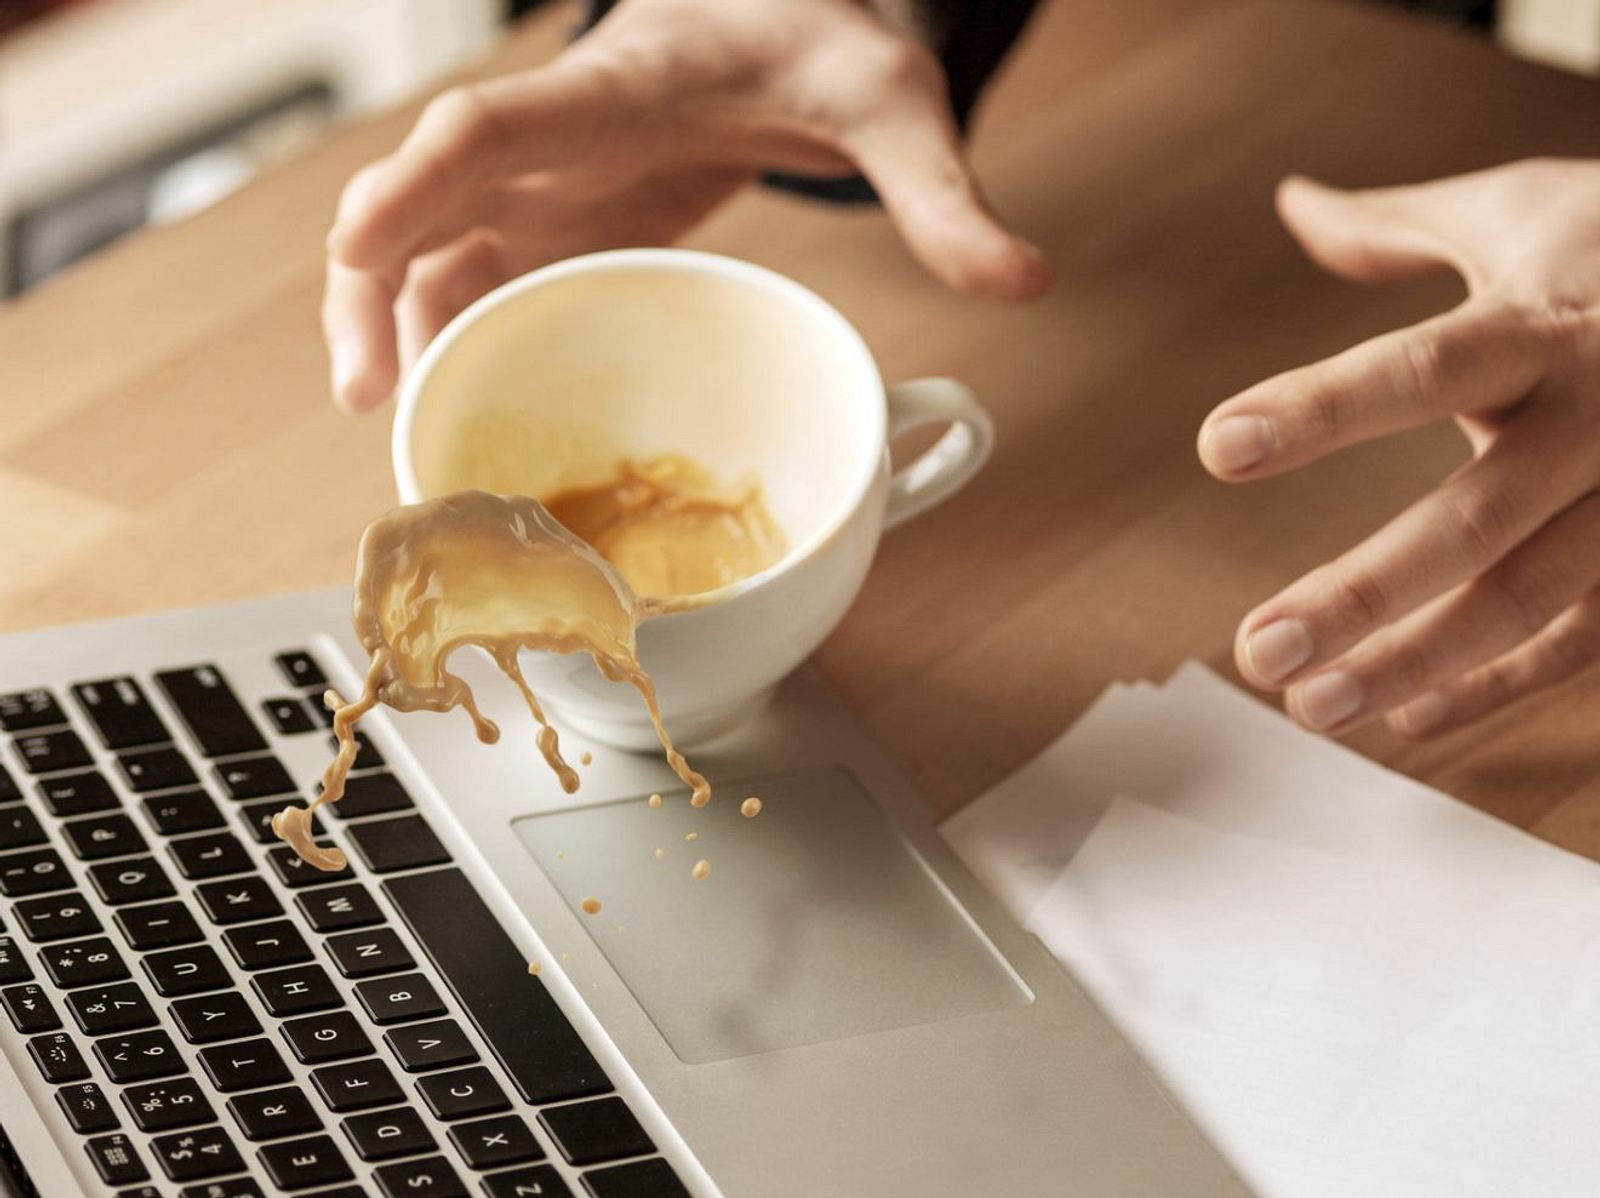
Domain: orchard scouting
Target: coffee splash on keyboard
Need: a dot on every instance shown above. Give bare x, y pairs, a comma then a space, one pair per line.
499, 573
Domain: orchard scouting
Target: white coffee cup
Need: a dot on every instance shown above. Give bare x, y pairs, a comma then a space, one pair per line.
631, 353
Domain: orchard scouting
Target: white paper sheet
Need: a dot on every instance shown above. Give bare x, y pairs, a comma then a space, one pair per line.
1358, 986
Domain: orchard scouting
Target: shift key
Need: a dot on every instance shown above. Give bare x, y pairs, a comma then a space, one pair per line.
211, 711
543, 1053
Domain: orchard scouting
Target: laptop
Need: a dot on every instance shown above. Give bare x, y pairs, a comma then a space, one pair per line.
838, 1008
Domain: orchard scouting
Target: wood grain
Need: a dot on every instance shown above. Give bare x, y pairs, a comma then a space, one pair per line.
171, 392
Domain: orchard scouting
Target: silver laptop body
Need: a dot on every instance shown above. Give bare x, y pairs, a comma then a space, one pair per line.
838, 1008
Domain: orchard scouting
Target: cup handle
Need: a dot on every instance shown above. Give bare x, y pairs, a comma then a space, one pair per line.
950, 461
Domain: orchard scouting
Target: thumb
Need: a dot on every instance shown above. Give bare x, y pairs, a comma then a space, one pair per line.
1369, 236
914, 159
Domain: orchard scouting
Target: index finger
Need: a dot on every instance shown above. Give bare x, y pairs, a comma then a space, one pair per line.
467, 137
1477, 357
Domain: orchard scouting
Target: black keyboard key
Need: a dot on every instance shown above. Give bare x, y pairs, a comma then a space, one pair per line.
393, 844
320, 711
196, 1155
100, 1010
209, 1018
58, 1058
398, 999
52, 752
367, 755
100, 836
135, 881
429, 1177
192, 970
288, 715
435, 1045
254, 777
13, 965
82, 793
211, 711
24, 710
653, 1178
463, 1093
384, 1135
301, 669
238, 900
295, 873
368, 953
357, 1085
271, 1114
158, 925
525, 1029
20, 829
182, 812
116, 1160
296, 991
212, 855
121, 715
602, 1130
56, 917
267, 945
33, 871
145, 770
87, 1108
239, 1187
139, 1057
523, 1183
9, 793
247, 1065
168, 1105
301, 1164
29, 1009
495, 1143
371, 794
330, 1036
83, 963
257, 818
339, 908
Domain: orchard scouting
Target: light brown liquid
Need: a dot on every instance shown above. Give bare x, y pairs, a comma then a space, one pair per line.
669, 528
499, 573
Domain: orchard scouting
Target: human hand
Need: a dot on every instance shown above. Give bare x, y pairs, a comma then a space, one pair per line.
1488, 588
631, 137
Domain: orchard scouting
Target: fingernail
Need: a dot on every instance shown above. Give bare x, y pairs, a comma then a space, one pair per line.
1328, 700
1236, 443
1278, 650
1423, 714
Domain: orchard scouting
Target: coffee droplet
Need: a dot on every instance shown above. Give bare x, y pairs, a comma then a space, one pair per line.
586, 758
661, 854
533, 968
655, 800
750, 808
591, 906
702, 869
693, 836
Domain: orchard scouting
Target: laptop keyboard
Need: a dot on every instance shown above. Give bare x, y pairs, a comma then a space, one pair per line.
220, 1020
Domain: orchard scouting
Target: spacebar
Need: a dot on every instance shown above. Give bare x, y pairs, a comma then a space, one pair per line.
526, 1030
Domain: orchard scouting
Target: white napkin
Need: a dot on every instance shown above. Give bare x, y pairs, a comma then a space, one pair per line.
1357, 985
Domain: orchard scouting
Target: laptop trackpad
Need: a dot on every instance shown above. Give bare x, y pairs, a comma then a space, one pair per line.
817, 921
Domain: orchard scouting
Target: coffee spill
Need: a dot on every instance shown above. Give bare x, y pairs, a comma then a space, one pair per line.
669, 528
655, 800
692, 837
591, 906
485, 570
587, 758
750, 808
701, 870
661, 854
533, 968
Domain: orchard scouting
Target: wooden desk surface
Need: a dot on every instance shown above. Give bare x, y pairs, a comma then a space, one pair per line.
173, 390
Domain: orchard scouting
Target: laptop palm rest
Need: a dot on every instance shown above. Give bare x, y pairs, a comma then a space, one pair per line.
817, 922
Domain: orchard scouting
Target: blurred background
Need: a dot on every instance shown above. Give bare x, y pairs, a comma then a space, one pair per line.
115, 114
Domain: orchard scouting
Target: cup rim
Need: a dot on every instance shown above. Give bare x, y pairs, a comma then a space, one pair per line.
853, 345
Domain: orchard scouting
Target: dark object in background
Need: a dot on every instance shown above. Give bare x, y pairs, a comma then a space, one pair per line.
1477, 14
